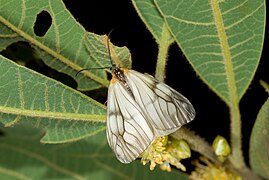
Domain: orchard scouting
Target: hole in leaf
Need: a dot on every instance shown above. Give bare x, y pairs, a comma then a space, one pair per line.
42, 23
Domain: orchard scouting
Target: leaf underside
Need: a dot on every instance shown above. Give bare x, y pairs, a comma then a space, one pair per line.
31, 98
221, 39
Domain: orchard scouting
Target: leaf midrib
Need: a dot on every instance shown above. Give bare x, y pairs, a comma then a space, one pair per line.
53, 115
226, 53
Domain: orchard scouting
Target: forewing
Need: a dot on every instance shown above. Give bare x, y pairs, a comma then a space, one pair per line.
128, 131
168, 110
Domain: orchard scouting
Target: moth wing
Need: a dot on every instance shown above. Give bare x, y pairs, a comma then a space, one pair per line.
128, 131
168, 110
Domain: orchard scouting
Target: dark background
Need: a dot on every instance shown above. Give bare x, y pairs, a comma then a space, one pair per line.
212, 118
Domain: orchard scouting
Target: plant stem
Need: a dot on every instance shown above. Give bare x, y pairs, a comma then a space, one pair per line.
237, 156
196, 143
164, 44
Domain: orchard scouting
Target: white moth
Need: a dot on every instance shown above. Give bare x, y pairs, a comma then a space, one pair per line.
139, 109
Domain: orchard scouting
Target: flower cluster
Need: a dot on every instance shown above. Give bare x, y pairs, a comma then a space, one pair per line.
166, 152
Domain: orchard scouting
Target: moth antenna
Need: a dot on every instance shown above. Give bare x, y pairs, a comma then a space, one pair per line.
109, 54
108, 47
91, 69
81, 71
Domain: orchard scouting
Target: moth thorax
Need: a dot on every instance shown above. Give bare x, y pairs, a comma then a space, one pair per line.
118, 74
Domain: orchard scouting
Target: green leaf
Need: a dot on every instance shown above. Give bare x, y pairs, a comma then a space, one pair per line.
259, 143
152, 18
22, 157
64, 46
31, 98
221, 39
